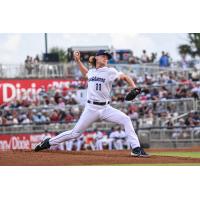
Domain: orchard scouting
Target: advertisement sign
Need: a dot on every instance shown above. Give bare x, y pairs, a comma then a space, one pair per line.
21, 141
18, 89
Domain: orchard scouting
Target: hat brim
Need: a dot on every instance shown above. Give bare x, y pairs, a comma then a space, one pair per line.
107, 54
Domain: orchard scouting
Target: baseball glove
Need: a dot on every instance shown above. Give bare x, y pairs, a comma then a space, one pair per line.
132, 94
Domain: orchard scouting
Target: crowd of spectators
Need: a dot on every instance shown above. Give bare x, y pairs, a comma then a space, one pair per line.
161, 87
48, 107
180, 91
65, 110
181, 129
60, 105
164, 60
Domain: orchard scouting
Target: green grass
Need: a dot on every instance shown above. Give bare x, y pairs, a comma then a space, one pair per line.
179, 154
160, 164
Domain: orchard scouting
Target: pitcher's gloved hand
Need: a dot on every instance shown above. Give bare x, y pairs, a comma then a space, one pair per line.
132, 94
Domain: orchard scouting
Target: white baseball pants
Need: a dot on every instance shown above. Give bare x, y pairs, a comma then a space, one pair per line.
93, 113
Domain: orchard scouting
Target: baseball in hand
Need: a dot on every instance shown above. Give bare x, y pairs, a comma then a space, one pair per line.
76, 53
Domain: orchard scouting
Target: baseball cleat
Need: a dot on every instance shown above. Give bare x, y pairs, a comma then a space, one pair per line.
43, 145
139, 152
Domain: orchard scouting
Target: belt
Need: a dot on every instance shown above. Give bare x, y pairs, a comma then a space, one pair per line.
98, 103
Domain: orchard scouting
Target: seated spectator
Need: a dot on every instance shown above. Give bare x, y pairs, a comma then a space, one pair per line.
196, 91
15, 103
143, 97
54, 116
57, 96
177, 133
196, 119
25, 120
162, 78
149, 118
154, 94
133, 115
163, 92
170, 123
147, 79
61, 104
39, 118
189, 120
15, 119
171, 81
46, 114
69, 117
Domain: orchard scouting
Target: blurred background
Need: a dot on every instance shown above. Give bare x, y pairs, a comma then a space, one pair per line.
42, 92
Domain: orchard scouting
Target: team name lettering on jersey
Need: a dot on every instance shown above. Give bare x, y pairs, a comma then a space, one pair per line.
94, 78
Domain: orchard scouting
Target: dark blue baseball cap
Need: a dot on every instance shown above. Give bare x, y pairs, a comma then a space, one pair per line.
104, 52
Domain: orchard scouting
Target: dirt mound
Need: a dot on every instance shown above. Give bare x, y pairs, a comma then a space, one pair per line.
57, 158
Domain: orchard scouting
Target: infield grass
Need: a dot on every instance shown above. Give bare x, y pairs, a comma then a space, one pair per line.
179, 154
160, 164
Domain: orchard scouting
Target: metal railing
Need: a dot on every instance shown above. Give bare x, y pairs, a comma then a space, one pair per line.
178, 105
153, 136
50, 70
42, 70
141, 69
170, 137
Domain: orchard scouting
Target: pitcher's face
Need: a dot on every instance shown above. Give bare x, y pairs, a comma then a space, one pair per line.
102, 60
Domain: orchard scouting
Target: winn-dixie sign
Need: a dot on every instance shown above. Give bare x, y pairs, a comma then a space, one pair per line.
21, 141
16, 89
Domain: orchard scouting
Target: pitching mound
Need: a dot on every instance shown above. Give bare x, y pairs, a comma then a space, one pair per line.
58, 158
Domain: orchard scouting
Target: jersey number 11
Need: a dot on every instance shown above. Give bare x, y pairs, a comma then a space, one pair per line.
98, 86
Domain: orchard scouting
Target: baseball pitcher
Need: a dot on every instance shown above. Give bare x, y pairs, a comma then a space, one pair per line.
100, 78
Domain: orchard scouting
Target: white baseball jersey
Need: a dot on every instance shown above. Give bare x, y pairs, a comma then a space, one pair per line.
100, 83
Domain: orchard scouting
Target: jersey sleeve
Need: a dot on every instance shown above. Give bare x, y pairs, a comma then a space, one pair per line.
114, 74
